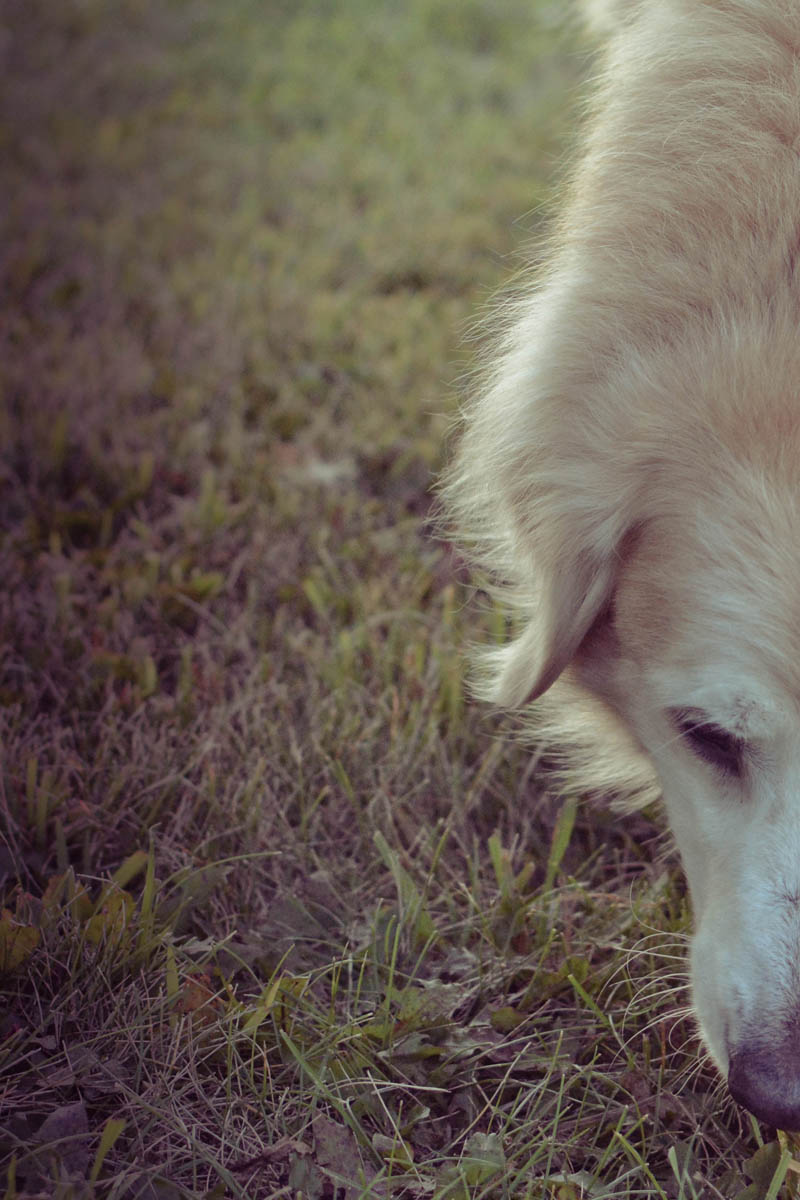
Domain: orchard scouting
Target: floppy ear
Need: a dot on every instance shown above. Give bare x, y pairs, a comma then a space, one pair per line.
571, 598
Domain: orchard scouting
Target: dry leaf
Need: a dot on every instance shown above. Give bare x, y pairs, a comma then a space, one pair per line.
17, 942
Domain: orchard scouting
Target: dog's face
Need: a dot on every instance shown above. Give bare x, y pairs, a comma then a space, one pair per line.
651, 530
699, 653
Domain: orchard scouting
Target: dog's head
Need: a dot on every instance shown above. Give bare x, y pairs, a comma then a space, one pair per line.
669, 577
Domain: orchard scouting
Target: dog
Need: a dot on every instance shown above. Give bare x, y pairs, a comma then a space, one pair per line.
628, 481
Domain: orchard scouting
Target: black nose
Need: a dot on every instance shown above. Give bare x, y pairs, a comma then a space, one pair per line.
767, 1083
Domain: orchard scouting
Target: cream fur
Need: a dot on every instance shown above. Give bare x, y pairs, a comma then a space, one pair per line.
628, 478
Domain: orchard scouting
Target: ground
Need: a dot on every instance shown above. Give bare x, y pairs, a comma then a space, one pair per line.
283, 912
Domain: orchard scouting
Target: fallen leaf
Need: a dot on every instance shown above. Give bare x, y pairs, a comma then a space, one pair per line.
69, 1126
336, 1151
17, 942
198, 1000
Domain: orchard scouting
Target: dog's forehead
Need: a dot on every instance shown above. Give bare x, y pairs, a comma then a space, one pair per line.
717, 628
742, 669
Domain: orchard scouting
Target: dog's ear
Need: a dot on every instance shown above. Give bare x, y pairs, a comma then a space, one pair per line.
571, 598
544, 498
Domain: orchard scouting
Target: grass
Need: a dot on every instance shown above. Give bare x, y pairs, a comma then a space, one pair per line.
283, 913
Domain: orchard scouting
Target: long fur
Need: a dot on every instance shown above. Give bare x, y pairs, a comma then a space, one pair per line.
678, 231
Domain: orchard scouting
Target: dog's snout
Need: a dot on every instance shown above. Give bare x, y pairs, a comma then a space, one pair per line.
767, 1083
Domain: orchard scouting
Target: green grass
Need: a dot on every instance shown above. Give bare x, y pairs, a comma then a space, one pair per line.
283, 912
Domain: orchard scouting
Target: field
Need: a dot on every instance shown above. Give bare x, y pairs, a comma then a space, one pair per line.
283, 912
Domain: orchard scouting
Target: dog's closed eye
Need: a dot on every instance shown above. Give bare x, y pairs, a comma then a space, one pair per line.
715, 745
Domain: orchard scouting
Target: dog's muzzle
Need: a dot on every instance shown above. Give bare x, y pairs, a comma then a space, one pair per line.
767, 1082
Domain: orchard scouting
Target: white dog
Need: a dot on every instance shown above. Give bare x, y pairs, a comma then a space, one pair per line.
629, 477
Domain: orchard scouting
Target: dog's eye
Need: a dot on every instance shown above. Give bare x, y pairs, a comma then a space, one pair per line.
710, 742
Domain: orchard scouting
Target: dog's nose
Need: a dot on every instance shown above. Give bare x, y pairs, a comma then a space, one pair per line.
767, 1083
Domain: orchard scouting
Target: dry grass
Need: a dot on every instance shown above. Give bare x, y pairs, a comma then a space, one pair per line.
284, 913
